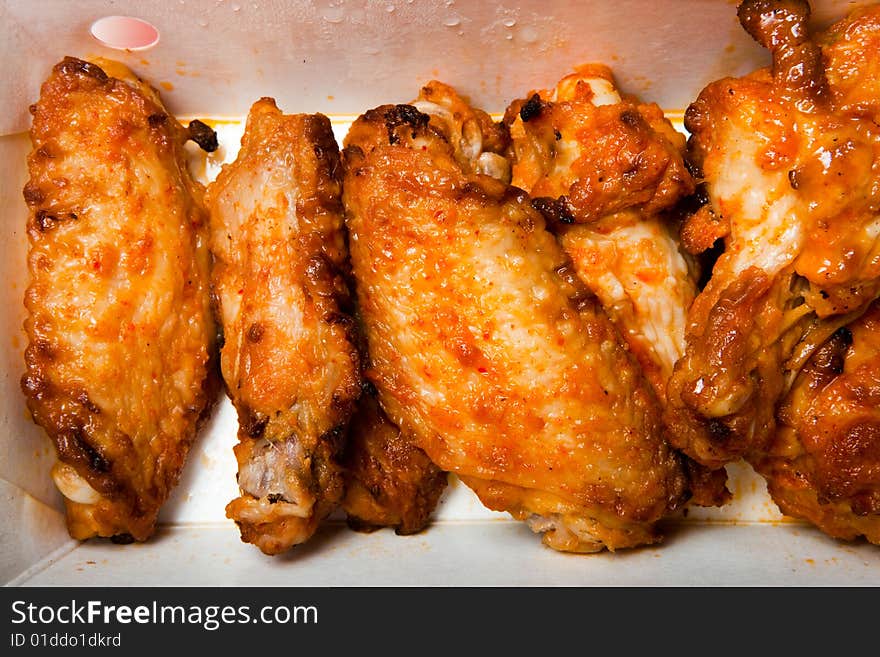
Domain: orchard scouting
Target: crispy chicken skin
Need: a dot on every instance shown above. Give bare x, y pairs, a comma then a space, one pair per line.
585, 152
390, 482
823, 463
600, 167
488, 351
791, 162
852, 68
288, 359
603, 167
119, 362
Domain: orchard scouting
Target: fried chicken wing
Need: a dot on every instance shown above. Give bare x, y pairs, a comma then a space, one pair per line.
390, 482
119, 362
585, 152
288, 358
489, 352
823, 462
791, 163
603, 168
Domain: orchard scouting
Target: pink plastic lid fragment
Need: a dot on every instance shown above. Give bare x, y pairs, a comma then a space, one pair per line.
125, 33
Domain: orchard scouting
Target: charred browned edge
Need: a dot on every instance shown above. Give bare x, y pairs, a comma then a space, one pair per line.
330, 167
696, 118
393, 117
428, 491
555, 210
405, 115
532, 108
328, 161
157, 119
44, 221
70, 66
326, 472
70, 430
701, 230
202, 134
320, 133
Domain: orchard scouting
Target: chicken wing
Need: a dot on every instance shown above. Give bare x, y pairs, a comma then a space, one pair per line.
119, 362
602, 168
390, 482
288, 359
486, 349
823, 462
791, 160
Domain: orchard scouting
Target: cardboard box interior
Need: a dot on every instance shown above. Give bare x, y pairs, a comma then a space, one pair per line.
213, 59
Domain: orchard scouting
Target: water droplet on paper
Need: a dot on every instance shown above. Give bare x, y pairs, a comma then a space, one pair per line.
529, 34
509, 22
509, 37
452, 21
334, 13
236, 7
390, 8
202, 22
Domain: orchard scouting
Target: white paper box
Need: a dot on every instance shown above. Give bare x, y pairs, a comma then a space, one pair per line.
214, 59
